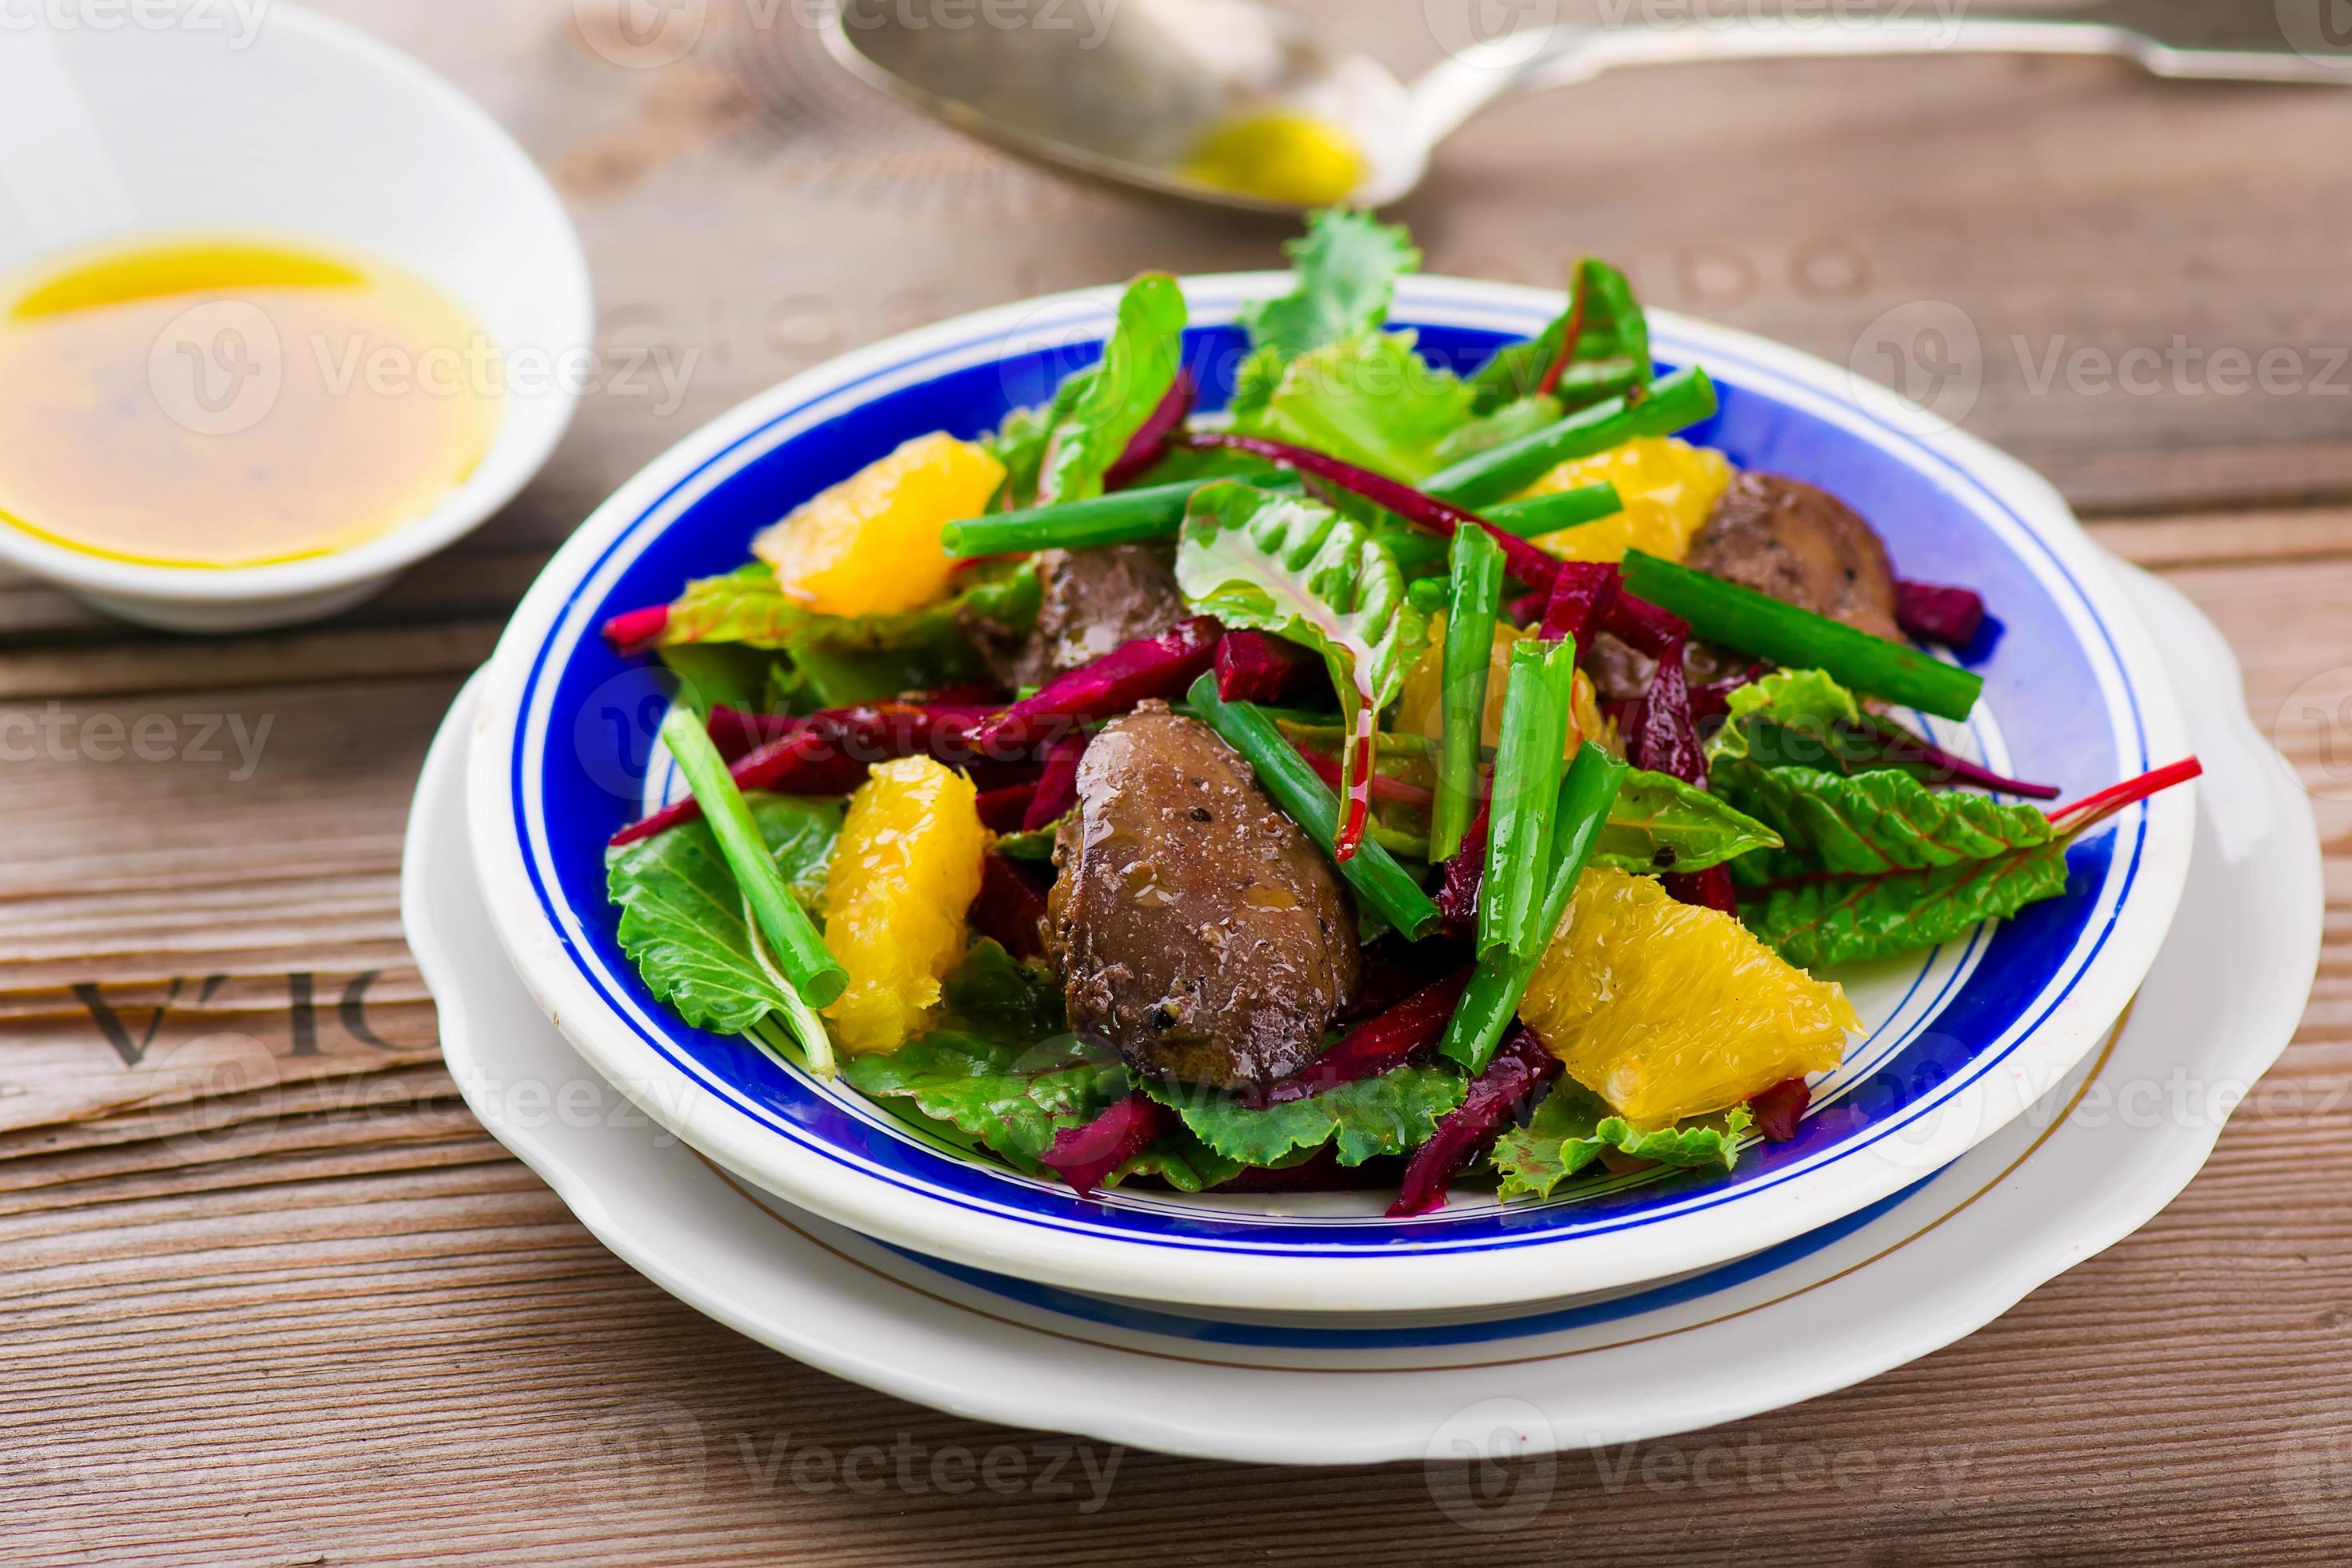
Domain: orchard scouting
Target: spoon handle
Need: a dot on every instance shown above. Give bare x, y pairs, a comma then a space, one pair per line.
1539, 58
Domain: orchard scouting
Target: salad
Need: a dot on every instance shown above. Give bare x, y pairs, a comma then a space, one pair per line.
1398, 776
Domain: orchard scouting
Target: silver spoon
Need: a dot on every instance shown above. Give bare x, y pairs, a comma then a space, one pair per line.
1127, 91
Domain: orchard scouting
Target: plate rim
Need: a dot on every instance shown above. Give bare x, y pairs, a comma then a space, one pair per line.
1291, 1280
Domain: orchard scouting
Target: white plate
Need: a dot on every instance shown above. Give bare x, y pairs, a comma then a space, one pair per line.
1961, 1037
1906, 1278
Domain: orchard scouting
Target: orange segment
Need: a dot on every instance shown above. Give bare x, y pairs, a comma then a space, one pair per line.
870, 546
1668, 487
1666, 1010
904, 871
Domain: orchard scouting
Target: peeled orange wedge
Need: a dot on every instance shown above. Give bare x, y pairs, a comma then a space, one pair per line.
870, 546
1666, 1010
1668, 487
904, 870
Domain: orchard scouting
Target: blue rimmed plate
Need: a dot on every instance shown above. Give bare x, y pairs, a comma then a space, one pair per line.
1961, 1037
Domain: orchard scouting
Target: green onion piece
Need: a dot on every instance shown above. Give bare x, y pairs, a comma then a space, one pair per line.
1373, 872
1474, 597
1492, 998
1428, 593
1672, 403
1720, 611
1529, 758
800, 953
1124, 517
1563, 508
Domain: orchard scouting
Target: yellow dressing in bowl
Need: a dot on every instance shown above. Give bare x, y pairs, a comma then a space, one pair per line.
220, 402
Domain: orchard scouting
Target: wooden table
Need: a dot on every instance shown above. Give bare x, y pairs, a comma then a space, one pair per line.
329, 1319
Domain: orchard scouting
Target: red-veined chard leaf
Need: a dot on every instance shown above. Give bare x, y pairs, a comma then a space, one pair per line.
1660, 824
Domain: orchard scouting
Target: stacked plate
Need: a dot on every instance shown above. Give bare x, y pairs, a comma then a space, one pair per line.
1940, 1176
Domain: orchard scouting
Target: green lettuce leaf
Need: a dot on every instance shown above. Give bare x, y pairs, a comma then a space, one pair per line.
1346, 267
1805, 700
1368, 399
1875, 863
1180, 1160
682, 914
1292, 567
832, 661
1391, 1114
1612, 351
1571, 1126
1660, 823
1061, 453
1012, 1096
994, 994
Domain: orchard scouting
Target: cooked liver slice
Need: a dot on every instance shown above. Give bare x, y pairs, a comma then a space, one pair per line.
1783, 537
1198, 931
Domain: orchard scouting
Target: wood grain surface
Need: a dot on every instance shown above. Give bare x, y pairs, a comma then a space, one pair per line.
272, 1297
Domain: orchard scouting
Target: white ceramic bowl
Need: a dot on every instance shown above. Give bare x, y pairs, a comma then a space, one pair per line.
272, 122
1960, 1037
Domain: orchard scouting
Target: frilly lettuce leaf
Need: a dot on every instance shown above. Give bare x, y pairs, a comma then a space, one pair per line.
1368, 399
1292, 567
1571, 1126
1391, 1114
1346, 267
1660, 823
682, 912
1806, 701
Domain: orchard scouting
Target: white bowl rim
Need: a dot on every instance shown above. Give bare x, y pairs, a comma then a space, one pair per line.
1587, 1263
506, 468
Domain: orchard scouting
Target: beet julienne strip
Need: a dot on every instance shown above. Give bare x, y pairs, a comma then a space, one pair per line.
1149, 442
1005, 810
635, 631
1010, 907
1527, 564
1056, 789
1388, 1041
1253, 666
1457, 895
828, 753
1519, 1066
1084, 1156
1780, 1108
938, 728
1161, 666
1933, 611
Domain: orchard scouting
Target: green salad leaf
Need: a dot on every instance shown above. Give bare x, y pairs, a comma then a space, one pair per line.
1875, 863
1612, 351
992, 992
1292, 567
1060, 452
682, 913
1391, 1114
1804, 701
1012, 1095
815, 660
1366, 399
1180, 1159
1346, 267
1660, 823
1571, 1126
